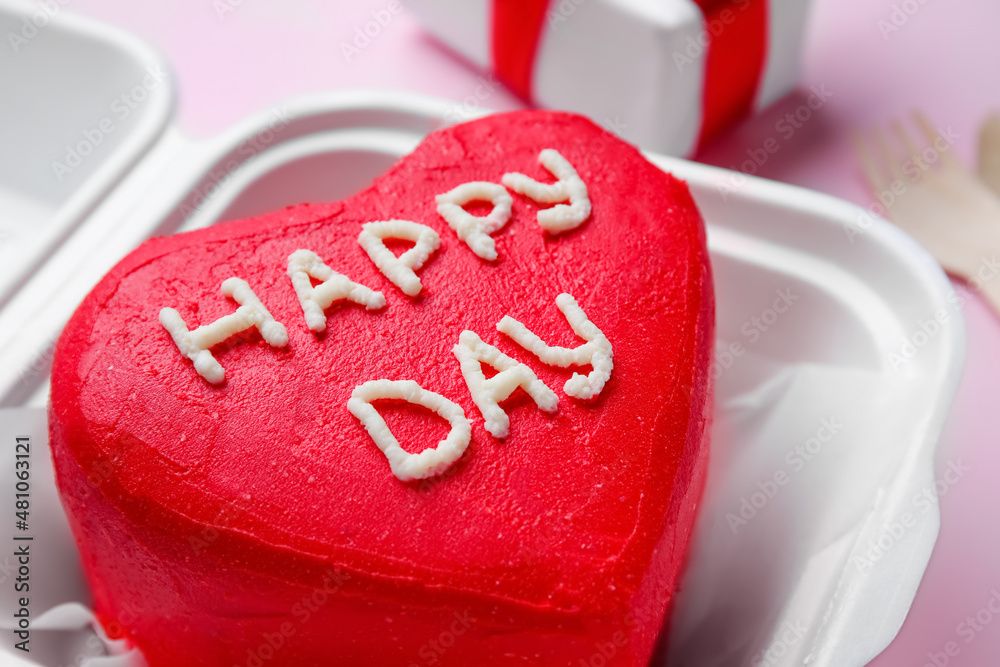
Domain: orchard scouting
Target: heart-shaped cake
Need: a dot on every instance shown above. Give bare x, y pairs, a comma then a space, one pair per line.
460, 418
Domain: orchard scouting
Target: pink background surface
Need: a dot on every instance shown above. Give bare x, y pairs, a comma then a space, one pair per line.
233, 57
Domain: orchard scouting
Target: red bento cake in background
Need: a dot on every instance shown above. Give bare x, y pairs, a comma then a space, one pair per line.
282, 442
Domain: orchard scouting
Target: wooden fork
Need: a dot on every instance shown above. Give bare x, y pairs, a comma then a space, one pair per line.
932, 197
989, 153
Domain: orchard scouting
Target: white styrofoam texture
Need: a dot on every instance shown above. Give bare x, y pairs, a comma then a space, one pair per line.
76, 94
825, 356
801, 561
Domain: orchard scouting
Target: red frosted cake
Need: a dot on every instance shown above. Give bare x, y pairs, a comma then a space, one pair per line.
458, 419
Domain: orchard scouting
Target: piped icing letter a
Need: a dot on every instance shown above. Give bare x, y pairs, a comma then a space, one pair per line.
472, 352
305, 264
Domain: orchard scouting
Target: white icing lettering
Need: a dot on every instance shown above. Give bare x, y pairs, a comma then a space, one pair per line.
596, 351
404, 465
399, 270
569, 187
196, 345
472, 352
305, 264
475, 230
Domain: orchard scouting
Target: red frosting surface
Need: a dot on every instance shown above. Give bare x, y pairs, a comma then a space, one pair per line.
256, 522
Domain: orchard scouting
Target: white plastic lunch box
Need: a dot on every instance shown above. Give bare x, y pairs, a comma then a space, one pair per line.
809, 548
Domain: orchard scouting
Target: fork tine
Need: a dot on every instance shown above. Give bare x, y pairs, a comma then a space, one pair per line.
887, 155
931, 134
904, 138
989, 153
868, 164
